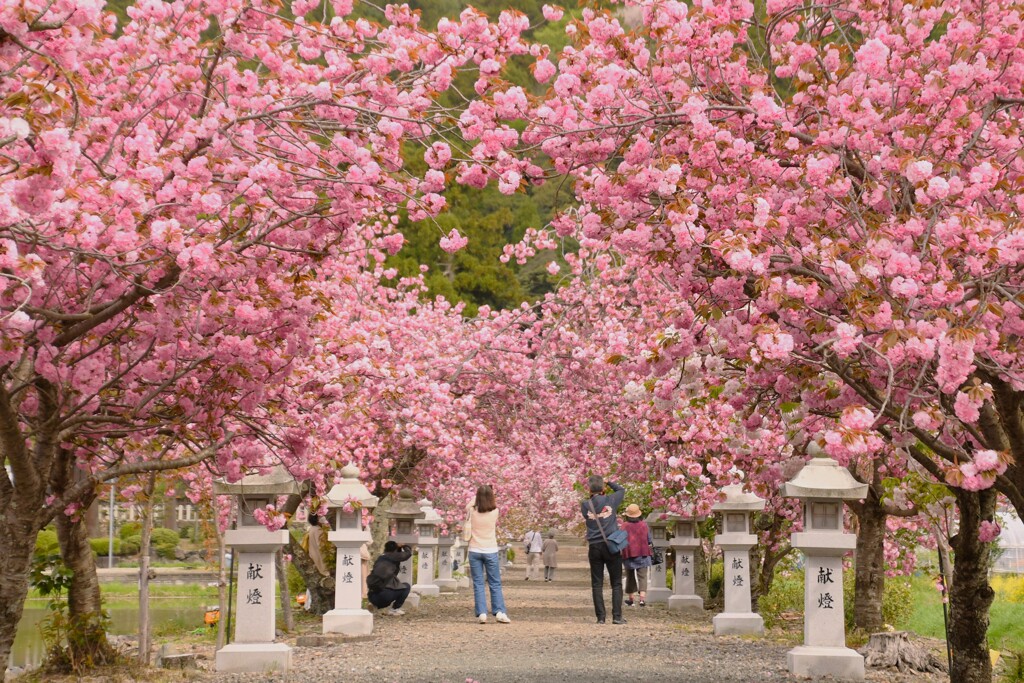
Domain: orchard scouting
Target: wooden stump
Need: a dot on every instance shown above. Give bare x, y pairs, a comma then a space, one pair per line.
888, 650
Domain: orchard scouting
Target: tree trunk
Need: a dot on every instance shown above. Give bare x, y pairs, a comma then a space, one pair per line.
84, 600
970, 596
286, 597
145, 644
869, 570
896, 650
18, 531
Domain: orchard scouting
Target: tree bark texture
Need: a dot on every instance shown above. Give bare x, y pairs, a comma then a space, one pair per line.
869, 570
895, 650
970, 596
18, 531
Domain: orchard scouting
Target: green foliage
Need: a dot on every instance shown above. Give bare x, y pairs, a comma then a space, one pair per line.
101, 545
46, 543
73, 644
716, 580
129, 529
1012, 668
131, 545
897, 605
786, 595
165, 541
296, 584
1006, 619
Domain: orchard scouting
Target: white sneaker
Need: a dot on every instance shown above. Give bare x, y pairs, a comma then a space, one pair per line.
396, 612
502, 618
482, 618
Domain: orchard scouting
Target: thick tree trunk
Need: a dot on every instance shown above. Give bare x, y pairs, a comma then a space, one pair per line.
17, 541
869, 570
970, 596
84, 599
320, 587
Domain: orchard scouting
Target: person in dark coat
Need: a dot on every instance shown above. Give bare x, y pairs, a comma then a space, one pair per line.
384, 590
599, 514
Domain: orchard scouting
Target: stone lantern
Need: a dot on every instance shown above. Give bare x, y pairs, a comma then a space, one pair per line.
822, 486
445, 557
429, 528
657, 587
346, 501
404, 513
685, 542
254, 547
736, 540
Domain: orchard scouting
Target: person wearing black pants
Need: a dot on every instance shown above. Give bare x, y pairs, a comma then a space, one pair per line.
600, 509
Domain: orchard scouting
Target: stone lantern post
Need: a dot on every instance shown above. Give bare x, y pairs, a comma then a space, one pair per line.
428, 532
346, 500
685, 542
445, 558
822, 486
657, 586
736, 540
405, 512
255, 546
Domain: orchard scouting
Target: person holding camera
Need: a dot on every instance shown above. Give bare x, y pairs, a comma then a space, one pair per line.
479, 531
599, 514
384, 590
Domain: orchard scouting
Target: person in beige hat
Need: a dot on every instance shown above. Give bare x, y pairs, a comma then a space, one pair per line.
638, 555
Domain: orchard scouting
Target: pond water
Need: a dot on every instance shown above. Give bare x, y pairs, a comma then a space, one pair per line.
29, 651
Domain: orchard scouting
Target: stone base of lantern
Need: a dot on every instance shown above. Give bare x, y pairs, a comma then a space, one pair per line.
413, 601
738, 624
685, 603
254, 658
427, 589
841, 663
658, 596
446, 585
350, 622
464, 582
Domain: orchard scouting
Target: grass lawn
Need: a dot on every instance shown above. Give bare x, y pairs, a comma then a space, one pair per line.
1006, 627
129, 592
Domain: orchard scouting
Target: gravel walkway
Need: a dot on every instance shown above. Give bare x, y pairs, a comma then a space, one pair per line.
553, 637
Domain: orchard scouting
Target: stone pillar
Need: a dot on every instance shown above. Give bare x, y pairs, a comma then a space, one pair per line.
657, 585
822, 485
736, 542
684, 597
427, 545
254, 649
405, 569
254, 546
445, 556
348, 616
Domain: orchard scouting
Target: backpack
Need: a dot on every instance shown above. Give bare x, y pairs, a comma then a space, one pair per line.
384, 570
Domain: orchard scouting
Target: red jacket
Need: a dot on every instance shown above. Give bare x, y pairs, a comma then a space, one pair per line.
639, 539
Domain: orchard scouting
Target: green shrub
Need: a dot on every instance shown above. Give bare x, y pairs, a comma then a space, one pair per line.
101, 545
185, 533
46, 543
164, 542
786, 595
296, 584
716, 580
129, 529
897, 601
131, 545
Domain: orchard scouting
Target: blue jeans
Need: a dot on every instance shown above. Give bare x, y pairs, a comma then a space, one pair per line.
479, 563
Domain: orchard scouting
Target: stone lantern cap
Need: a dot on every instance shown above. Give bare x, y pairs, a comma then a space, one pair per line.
824, 478
405, 507
430, 515
658, 518
738, 500
277, 482
686, 517
350, 489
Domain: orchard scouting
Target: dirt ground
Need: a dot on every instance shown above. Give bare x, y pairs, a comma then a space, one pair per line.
553, 637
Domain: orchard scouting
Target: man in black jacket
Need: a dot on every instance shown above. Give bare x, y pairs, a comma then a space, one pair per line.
384, 590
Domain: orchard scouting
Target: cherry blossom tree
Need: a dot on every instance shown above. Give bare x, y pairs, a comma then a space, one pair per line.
825, 195
169, 191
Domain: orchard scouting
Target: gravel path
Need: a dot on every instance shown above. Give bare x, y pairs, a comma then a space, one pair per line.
553, 637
